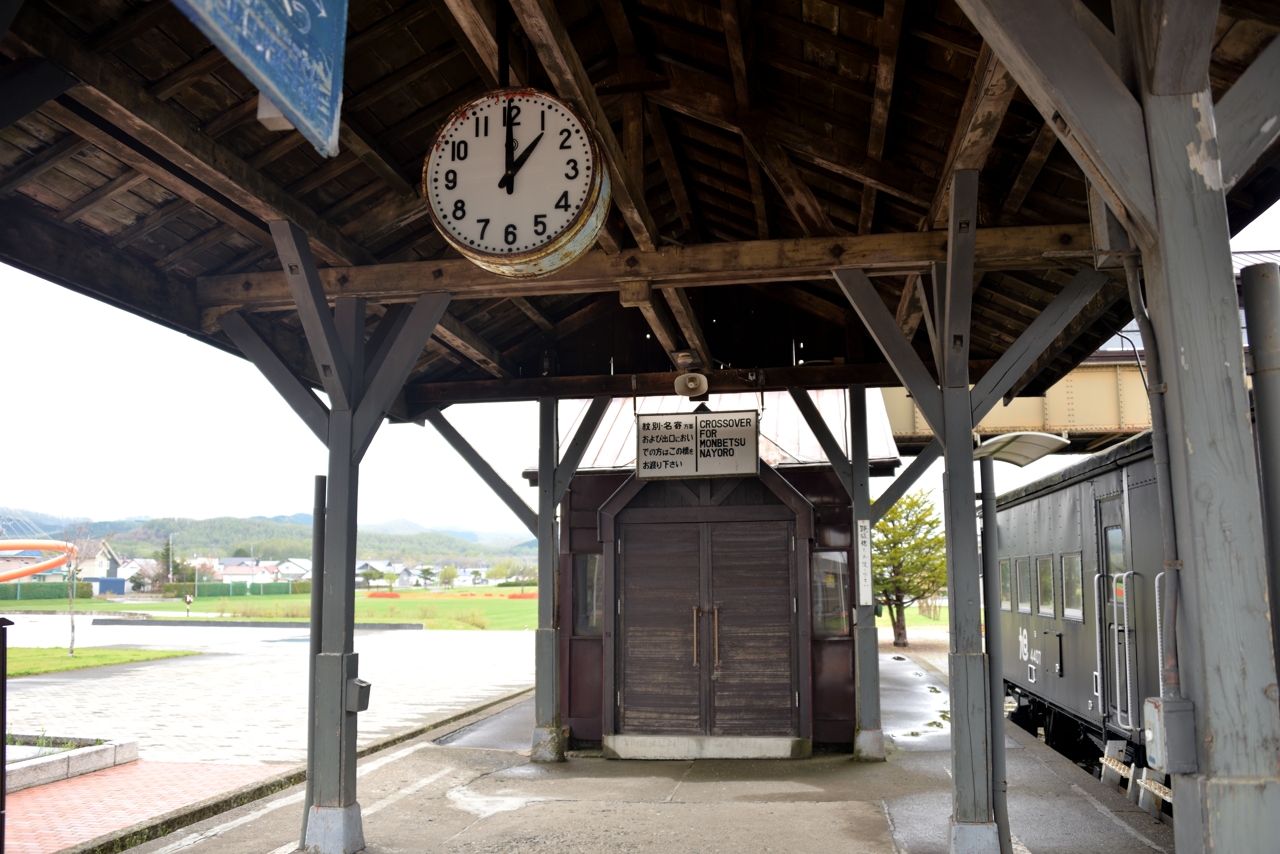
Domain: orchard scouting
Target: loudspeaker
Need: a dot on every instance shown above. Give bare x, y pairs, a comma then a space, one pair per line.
691, 385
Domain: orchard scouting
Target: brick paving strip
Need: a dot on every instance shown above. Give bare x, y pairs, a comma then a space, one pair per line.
103, 812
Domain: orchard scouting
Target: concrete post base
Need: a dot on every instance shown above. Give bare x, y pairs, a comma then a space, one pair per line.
974, 838
335, 830
868, 745
548, 744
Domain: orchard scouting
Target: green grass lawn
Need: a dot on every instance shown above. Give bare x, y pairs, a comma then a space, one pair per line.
454, 610
915, 618
29, 661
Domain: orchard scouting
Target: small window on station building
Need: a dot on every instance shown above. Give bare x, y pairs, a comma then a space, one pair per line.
1006, 586
1022, 567
1044, 574
588, 595
830, 594
1072, 588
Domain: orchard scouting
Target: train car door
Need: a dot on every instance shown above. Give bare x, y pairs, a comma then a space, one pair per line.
1114, 609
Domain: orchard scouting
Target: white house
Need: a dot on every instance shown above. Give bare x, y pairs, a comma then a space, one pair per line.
295, 569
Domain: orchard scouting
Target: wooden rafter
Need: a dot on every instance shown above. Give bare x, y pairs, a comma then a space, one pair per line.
468, 342
671, 169
1044, 142
687, 320
64, 149
155, 125
544, 28
539, 319
805, 301
808, 211
209, 62
990, 91
639, 294
888, 38
156, 219
478, 21
123, 183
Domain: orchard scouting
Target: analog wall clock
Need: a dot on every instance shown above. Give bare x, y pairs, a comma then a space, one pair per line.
515, 183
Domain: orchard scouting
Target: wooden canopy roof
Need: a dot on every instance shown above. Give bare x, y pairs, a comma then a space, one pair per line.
754, 146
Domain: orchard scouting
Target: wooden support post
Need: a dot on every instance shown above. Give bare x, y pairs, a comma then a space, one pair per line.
869, 742
492, 479
548, 740
640, 295
904, 481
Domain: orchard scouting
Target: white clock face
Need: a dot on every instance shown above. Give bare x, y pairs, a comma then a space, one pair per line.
510, 173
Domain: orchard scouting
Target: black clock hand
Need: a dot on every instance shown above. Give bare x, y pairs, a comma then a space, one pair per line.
509, 180
508, 151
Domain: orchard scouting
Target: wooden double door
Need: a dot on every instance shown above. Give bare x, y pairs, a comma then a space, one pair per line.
707, 629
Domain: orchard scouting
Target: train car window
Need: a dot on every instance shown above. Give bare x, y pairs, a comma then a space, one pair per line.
1006, 586
830, 594
1115, 550
1072, 588
1023, 571
1044, 574
588, 593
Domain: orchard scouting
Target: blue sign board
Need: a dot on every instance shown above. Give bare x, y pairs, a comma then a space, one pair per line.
292, 50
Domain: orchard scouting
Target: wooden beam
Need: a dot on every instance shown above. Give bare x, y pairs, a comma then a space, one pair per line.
910, 310
1110, 294
639, 294
633, 135
212, 237
990, 91
175, 81
551, 40
422, 396
805, 301
1072, 84
400, 78
678, 302
110, 94
539, 319
501, 488
729, 15
135, 23
887, 177
756, 180
122, 183
1179, 38
698, 265
64, 149
888, 38
273, 152
241, 113
813, 218
466, 341
671, 169
1045, 140
1248, 116
478, 21
295, 391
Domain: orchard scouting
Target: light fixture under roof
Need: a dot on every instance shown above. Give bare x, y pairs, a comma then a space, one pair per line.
1020, 448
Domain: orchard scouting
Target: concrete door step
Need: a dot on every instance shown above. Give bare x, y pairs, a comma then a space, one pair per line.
705, 747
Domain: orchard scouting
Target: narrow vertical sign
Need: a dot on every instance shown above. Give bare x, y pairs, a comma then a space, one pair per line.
866, 592
292, 50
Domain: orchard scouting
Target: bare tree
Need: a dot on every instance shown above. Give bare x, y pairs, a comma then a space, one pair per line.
78, 537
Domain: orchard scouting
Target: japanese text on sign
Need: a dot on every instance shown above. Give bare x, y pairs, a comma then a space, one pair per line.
697, 444
292, 50
865, 592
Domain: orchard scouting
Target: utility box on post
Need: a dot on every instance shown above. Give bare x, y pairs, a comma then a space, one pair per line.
1168, 728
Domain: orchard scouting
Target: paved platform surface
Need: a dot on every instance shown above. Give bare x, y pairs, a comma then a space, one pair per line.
48, 818
244, 699
425, 797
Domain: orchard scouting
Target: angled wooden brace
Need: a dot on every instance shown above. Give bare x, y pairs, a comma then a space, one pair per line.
1248, 116
395, 360
1074, 87
568, 466
313, 310
290, 386
905, 480
492, 479
902, 358
830, 446
1010, 367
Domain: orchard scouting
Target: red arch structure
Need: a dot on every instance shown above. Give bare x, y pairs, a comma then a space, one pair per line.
66, 551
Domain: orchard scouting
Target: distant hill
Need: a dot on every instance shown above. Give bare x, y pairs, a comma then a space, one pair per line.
295, 519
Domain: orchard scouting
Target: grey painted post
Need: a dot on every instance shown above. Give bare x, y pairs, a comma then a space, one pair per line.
972, 829
869, 741
995, 659
1226, 657
317, 608
1261, 286
548, 742
336, 812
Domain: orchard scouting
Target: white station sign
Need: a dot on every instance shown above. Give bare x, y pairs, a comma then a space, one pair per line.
697, 444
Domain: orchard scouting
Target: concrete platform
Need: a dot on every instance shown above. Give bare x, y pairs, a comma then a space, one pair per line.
471, 799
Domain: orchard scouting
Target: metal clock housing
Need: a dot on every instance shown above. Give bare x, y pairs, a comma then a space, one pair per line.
515, 183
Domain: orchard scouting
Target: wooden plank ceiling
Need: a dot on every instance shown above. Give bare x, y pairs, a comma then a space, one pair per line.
736, 121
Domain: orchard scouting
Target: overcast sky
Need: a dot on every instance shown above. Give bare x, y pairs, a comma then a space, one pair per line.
109, 416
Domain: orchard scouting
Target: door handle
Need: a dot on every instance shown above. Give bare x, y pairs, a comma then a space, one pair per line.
697, 612
715, 628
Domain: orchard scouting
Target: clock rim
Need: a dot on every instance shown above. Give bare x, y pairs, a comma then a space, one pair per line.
584, 226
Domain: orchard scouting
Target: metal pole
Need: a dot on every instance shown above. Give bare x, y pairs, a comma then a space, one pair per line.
317, 606
1261, 286
4, 718
869, 739
995, 662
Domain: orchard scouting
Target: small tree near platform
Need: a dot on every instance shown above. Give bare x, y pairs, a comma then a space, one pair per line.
908, 558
